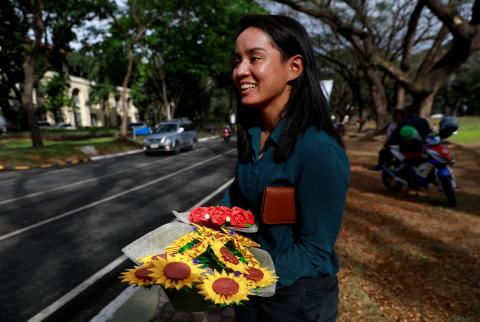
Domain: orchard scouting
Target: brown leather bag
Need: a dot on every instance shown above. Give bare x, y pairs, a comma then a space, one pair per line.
278, 205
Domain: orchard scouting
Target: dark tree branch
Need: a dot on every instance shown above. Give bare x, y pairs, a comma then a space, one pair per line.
475, 13
432, 53
398, 23
448, 15
410, 35
398, 74
361, 15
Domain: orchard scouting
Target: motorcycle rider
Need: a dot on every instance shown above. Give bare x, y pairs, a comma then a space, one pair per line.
227, 133
411, 142
414, 120
397, 116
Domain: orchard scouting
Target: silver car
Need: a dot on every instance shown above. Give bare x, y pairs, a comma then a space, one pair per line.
171, 136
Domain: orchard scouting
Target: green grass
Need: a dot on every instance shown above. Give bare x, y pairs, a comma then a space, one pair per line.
20, 151
61, 147
15, 145
468, 132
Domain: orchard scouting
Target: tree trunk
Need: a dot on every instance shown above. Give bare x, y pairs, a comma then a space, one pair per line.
378, 96
158, 63
425, 104
123, 99
163, 83
399, 97
29, 77
27, 101
75, 121
362, 117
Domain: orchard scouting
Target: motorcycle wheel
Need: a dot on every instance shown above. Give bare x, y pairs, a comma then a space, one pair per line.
390, 183
449, 190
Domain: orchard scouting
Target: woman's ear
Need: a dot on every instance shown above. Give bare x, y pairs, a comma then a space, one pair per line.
296, 66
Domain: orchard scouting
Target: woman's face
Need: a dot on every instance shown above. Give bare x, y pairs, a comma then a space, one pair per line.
259, 74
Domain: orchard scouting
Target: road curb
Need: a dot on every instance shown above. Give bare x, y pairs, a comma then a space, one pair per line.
59, 164
21, 167
114, 155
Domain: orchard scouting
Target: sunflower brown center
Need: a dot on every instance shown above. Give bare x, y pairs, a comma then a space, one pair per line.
228, 256
143, 273
254, 274
225, 286
176, 270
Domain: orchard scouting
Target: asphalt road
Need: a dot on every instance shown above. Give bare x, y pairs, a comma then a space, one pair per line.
58, 227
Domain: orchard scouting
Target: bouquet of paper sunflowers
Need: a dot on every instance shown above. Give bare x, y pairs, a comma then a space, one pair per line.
202, 265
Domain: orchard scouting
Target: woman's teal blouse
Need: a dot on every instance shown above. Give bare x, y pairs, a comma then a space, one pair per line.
319, 170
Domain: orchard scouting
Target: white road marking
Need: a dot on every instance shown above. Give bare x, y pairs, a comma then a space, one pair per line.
77, 290
70, 185
93, 204
108, 311
112, 307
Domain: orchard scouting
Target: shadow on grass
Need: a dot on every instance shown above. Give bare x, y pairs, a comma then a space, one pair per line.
408, 263
371, 182
410, 267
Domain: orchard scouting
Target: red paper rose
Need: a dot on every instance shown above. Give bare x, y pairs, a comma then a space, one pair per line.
200, 215
219, 214
241, 218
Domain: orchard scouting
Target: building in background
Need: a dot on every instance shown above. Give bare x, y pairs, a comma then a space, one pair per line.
81, 114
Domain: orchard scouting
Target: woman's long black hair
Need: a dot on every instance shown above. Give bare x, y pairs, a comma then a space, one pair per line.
307, 105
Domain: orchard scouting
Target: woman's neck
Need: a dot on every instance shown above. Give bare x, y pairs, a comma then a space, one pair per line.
269, 121
271, 115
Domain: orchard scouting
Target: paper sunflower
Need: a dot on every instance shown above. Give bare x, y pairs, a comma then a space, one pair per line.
208, 234
148, 258
259, 276
227, 257
139, 275
196, 250
251, 260
175, 272
176, 245
240, 240
223, 288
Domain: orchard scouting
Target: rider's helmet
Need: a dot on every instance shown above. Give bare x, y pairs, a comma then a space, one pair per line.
409, 133
448, 125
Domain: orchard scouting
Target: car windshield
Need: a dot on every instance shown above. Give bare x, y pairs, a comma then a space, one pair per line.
165, 128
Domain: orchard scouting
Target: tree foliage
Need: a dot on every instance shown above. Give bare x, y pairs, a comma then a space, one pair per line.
42, 32
461, 94
418, 45
188, 53
55, 91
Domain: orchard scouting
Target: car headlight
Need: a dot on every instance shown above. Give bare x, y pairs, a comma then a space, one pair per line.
166, 140
146, 141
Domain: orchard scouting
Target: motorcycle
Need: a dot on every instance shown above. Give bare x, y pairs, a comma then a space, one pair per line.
416, 170
227, 133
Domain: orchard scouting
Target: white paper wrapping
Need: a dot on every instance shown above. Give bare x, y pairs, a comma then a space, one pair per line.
265, 260
157, 240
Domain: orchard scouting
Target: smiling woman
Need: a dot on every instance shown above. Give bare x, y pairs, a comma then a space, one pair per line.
261, 72
287, 139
